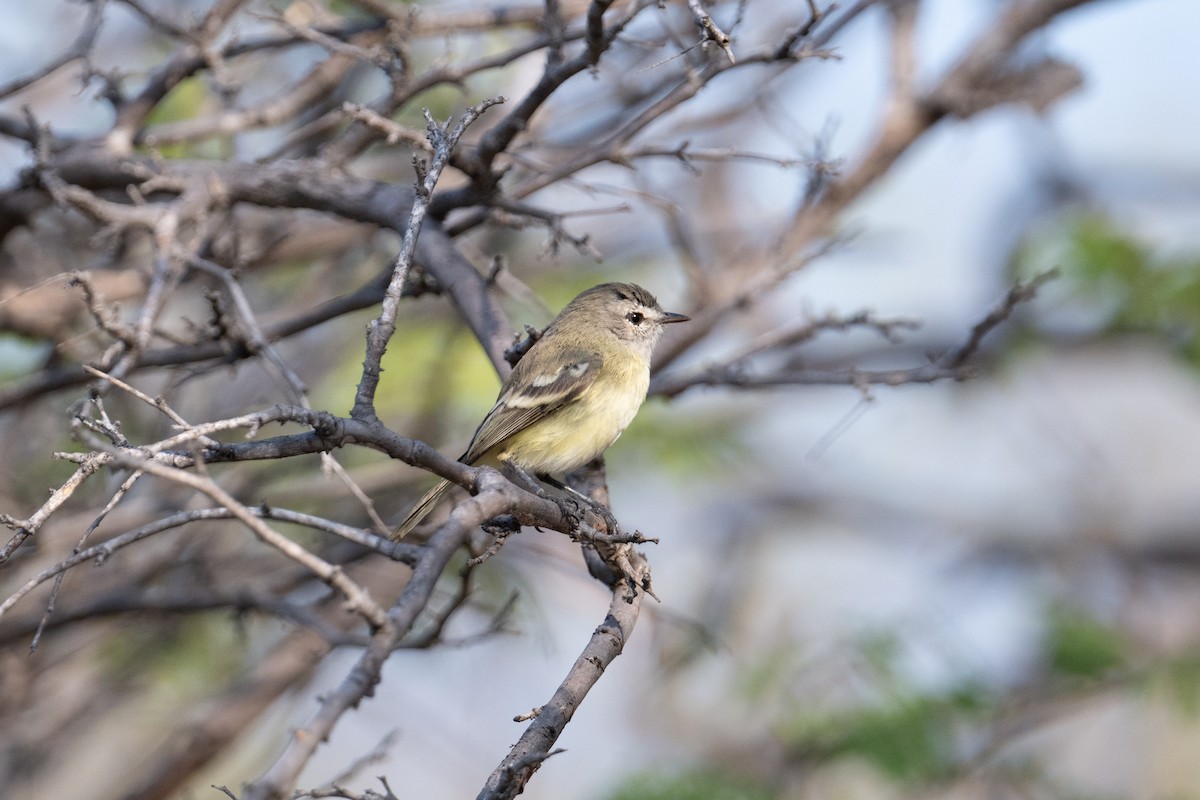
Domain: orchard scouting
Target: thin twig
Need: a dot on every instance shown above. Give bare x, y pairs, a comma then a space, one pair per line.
380, 330
534, 746
710, 30
358, 599
1017, 294
81, 48
100, 553
122, 490
29, 526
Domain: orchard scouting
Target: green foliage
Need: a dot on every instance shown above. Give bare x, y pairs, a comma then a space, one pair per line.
347, 8
416, 380
759, 679
1080, 647
1139, 289
695, 785
909, 737
187, 655
187, 100
28, 473
682, 445
442, 101
1182, 679
184, 101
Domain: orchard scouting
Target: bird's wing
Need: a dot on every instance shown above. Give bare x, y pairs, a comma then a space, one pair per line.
527, 399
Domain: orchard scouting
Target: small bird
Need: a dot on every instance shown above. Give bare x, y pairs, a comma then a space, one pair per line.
572, 394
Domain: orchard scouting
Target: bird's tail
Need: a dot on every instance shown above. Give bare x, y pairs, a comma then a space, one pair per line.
420, 510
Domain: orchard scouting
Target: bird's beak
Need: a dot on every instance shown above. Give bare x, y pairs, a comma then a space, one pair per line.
670, 316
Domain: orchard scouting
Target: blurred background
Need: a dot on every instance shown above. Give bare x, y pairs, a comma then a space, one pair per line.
984, 588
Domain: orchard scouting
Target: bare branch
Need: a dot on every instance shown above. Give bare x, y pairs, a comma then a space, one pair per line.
314, 86
29, 526
393, 132
709, 29
380, 331
1019, 293
81, 48
737, 370
132, 115
357, 598
534, 746
277, 782
406, 553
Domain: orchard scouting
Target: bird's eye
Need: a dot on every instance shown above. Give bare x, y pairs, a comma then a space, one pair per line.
636, 317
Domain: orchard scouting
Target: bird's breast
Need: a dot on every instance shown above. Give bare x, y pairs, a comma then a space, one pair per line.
584, 428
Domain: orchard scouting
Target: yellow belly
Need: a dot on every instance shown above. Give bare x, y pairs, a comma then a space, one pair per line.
580, 431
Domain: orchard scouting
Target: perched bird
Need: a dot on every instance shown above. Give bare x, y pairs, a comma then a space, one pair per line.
572, 394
